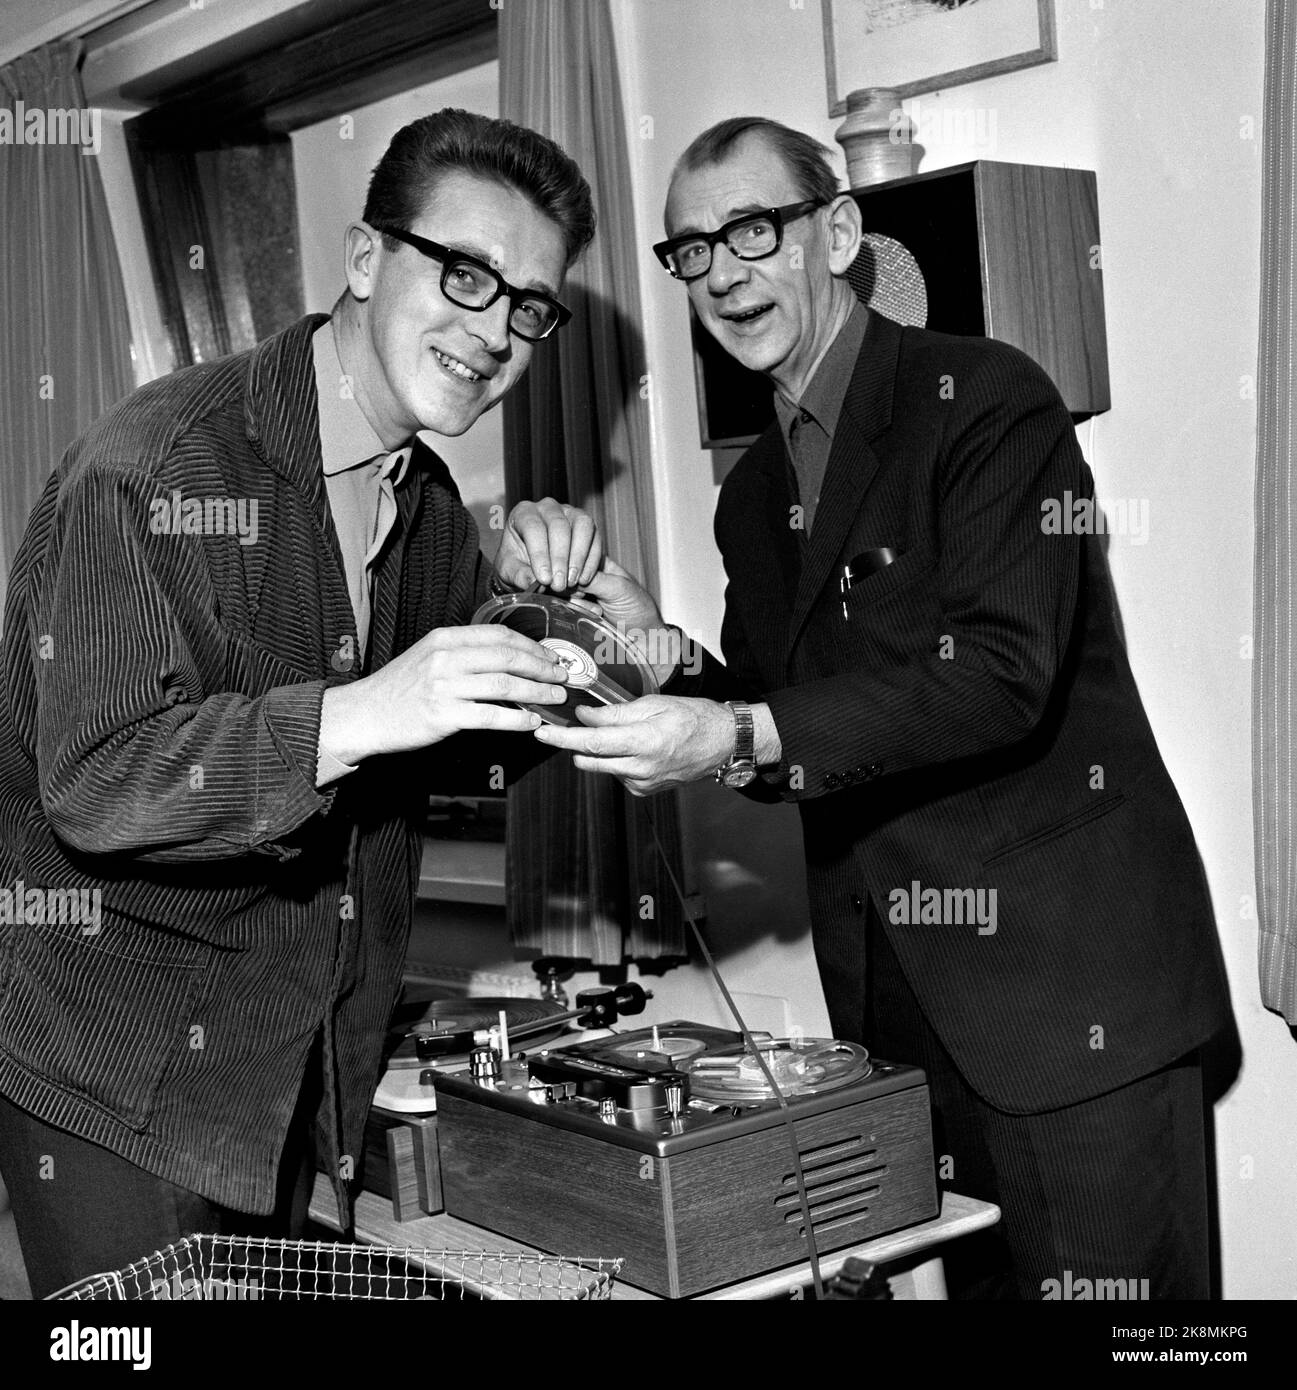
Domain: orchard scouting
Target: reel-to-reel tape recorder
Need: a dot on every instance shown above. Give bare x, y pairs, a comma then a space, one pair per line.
668, 1147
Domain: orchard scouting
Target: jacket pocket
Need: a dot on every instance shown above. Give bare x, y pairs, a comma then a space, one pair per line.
251, 669
100, 1016
1057, 829
905, 569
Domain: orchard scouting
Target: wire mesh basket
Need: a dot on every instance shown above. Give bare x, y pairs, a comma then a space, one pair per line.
249, 1268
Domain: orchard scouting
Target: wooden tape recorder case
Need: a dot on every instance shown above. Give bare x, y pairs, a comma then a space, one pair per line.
668, 1148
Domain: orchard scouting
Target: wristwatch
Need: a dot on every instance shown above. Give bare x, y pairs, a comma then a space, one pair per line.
742, 767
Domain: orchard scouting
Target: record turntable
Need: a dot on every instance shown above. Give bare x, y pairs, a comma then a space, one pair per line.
430, 1035
401, 1160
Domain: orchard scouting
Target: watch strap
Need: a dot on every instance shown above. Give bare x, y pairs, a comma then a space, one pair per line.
744, 732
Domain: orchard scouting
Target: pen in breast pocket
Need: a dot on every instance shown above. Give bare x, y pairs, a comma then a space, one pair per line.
870, 562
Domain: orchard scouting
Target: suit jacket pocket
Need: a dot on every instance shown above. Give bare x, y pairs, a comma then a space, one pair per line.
1058, 828
867, 591
100, 1016
889, 619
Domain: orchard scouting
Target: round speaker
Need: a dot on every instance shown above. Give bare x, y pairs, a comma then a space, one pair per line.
886, 277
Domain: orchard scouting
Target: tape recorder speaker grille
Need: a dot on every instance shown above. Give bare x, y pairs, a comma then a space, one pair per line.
603, 668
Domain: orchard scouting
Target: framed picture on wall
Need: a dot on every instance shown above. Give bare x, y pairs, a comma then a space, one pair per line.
923, 45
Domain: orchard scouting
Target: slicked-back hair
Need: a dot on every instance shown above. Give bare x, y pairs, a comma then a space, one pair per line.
806, 159
454, 141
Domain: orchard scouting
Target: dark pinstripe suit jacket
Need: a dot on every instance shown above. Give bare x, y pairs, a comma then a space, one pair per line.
159, 715
969, 721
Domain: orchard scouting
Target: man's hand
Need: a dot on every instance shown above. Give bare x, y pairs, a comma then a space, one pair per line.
448, 681
633, 611
549, 542
623, 600
650, 744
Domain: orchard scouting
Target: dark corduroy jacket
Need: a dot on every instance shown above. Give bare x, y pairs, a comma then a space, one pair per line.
965, 720
159, 719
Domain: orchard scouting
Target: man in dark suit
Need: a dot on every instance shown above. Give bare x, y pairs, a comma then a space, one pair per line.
1003, 884
237, 618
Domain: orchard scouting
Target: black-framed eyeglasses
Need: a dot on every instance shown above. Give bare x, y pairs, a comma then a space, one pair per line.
472, 284
752, 237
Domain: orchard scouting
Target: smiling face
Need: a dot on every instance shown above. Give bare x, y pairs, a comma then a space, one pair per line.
418, 361
777, 316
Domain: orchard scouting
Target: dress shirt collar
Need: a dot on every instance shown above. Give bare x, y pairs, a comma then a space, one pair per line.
347, 439
823, 397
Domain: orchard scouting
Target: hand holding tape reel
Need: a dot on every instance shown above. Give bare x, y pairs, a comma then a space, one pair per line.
609, 664
604, 667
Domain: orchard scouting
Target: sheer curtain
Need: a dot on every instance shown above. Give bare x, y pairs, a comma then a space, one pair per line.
584, 876
1274, 717
66, 342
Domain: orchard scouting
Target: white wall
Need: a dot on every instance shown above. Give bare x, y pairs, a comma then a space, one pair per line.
332, 162
1155, 97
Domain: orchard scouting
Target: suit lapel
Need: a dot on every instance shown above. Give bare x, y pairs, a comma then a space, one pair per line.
283, 423
866, 412
282, 412
764, 568
772, 494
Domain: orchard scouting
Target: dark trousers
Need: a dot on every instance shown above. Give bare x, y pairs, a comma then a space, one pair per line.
81, 1210
1111, 1188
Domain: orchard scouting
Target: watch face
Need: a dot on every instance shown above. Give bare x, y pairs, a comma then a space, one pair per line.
739, 775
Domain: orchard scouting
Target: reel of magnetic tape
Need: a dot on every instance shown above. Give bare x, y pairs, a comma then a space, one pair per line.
799, 1066
603, 667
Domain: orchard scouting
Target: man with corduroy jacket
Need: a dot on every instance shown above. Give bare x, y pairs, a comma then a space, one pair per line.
236, 620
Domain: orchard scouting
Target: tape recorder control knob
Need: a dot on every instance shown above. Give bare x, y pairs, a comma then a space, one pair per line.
675, 1090
484, 1065
608, 1110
